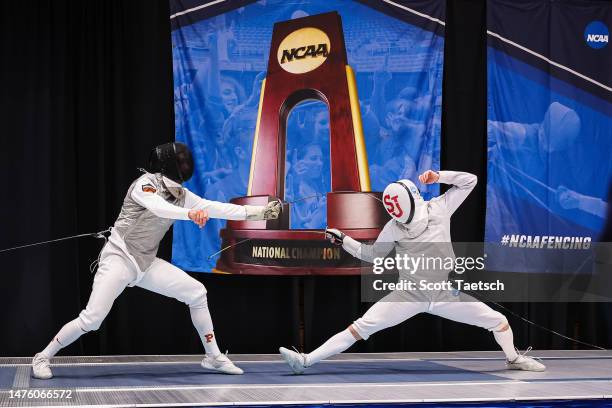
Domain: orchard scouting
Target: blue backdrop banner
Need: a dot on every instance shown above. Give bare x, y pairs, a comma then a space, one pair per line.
220, 53
549, 124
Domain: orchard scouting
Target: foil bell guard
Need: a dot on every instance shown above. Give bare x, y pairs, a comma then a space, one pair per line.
307, 61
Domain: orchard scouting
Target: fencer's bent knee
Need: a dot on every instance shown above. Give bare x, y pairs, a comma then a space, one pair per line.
90, 320
196, 298
363, 328
502, 325
356, 335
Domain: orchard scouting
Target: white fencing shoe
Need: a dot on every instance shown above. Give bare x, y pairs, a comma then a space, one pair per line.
522, 362
222, 364
297, 361
40, 367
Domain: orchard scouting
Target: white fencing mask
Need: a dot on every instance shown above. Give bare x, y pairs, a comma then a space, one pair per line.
404, 203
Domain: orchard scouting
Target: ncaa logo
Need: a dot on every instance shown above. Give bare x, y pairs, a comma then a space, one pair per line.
303, 50
596, 34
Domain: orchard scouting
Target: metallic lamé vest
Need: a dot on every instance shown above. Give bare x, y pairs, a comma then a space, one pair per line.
140, 229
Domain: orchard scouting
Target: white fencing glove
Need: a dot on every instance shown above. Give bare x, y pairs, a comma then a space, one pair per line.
270, 211
338, 237
335, 236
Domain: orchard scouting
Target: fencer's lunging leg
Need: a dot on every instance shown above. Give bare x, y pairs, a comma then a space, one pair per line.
112, 277
334, 345
388, 312
166, 279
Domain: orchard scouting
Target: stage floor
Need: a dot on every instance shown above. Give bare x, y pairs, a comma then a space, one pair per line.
347, 379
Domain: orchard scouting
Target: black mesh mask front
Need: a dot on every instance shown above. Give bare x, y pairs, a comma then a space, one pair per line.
173, 160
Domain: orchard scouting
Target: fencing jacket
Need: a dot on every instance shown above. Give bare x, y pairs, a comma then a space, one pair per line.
433, 242
150, 207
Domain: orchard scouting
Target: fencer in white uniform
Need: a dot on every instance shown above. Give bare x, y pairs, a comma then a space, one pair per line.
152, 204
416, 226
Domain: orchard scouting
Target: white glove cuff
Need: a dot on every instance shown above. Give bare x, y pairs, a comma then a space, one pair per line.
254, 212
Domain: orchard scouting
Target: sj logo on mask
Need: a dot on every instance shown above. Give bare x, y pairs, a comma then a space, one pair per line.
393, 206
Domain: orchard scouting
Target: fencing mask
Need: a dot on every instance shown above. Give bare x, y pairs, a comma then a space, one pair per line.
404, 203
173, 160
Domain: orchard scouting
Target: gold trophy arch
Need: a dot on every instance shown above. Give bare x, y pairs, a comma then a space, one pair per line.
307, 61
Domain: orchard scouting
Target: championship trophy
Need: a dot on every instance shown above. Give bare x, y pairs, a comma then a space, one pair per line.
307, 61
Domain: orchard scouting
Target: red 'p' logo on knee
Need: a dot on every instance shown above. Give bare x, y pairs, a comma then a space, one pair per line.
209, 337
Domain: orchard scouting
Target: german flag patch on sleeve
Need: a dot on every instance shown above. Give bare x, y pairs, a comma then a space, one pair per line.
149, 188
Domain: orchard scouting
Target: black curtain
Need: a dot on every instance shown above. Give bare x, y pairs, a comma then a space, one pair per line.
86, 93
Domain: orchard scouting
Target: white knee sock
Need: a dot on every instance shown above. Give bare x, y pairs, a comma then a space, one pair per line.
336, 344
506, 340
66, 336
202, 321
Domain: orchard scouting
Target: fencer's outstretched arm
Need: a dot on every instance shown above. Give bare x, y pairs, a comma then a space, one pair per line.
145, 194
228, 211
462, 185
216, 209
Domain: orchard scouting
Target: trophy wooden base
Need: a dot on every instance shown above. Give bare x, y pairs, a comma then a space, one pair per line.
271, 248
